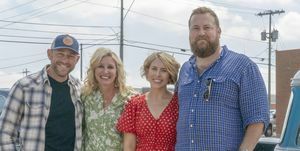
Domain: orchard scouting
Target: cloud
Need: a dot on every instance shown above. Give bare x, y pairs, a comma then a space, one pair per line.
7, 80
261, 2
288, 26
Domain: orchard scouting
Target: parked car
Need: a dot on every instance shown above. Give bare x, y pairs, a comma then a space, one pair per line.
272, 125
3, 96
267, 144
290, 135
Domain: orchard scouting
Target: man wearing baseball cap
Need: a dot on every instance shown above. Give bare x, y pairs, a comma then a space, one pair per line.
43, 110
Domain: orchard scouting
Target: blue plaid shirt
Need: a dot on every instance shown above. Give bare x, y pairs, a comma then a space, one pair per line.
217, 121
27, 109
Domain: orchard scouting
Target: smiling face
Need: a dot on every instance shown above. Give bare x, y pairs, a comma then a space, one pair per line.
106, 72
157, 74
63, 61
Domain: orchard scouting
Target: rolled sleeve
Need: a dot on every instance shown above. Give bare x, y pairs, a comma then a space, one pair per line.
254, 103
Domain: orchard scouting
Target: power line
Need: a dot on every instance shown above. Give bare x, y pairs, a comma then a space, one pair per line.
133, 41
128, 9
21, 5
12, 58
55, 10
38, 15
103, 43
56, 32
38, 9
98, 4
12, 66
27, 42
64, 25
237, 37
154, 49
48, 38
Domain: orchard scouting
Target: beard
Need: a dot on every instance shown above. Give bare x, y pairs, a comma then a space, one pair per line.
61, 72
203, 48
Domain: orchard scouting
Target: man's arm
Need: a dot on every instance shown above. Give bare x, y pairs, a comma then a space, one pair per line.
252, 135
10, 119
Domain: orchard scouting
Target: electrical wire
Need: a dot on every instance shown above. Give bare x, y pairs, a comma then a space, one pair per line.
48, 38
154, 49
56, 32
171, 47
13, 66
36, 10
18, 6
128, 9
19, 57
63, 25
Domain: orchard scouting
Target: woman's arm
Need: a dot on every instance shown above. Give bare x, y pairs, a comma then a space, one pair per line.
129, 142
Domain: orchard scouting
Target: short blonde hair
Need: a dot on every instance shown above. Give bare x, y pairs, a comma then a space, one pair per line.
169, 62
90, 82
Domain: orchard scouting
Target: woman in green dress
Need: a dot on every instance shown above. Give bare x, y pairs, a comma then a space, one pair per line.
103, 95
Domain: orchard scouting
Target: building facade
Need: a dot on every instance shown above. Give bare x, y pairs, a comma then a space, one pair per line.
287, 64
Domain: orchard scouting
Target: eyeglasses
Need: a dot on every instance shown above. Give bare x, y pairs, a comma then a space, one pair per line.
207, 93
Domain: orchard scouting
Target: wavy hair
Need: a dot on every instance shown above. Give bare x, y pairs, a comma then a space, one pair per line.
90, 82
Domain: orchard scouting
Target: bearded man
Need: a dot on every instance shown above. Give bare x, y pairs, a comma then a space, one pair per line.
222, 96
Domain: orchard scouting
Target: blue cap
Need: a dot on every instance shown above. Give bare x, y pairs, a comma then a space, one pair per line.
65, 41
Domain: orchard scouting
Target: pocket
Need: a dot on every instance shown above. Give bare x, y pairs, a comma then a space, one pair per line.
185, 81
34, 108
225, 91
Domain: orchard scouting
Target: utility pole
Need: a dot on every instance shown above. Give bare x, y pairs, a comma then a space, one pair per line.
272, 36
25, 71
81, 62
121, 32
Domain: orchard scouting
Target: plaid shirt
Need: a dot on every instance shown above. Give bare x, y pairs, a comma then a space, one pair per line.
216, 120
26, 110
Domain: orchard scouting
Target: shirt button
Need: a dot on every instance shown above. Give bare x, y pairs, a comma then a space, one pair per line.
191, 125
195, 95
192, 110
192, 141
198, 81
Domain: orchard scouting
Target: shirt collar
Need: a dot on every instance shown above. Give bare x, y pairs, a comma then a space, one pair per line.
43, 77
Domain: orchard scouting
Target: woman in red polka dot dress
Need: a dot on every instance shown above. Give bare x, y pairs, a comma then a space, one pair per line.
148, 122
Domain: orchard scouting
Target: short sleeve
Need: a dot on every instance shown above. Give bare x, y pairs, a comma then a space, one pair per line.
253, 97
126, 122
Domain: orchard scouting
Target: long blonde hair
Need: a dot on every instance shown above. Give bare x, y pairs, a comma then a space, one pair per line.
90, 82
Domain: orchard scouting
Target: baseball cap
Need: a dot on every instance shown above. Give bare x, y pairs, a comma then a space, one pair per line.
65, 41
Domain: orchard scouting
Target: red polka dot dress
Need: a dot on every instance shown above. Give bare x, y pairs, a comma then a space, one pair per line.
151, 134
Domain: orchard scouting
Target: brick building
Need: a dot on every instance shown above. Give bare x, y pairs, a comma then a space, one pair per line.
287, 64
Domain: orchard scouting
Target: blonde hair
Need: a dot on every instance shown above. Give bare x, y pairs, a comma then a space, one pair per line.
169, 62
90, 82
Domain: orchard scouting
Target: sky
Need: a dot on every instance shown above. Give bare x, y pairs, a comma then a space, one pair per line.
27, 28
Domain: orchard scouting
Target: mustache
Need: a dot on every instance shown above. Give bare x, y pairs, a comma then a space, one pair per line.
201, 38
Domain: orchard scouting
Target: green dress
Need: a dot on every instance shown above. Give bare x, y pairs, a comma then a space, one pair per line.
99, 131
